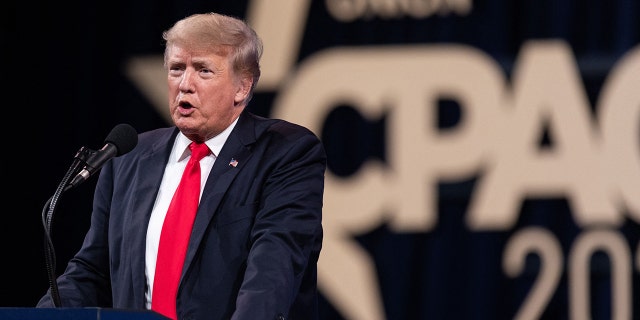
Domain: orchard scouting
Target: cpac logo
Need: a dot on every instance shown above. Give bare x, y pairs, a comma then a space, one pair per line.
594, 162
595, 166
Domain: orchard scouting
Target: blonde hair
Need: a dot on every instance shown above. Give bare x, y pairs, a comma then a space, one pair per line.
215, 32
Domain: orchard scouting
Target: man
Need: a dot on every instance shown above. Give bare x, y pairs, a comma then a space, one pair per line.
257, 233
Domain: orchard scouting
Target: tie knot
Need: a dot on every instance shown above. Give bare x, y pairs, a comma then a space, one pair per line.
198, 151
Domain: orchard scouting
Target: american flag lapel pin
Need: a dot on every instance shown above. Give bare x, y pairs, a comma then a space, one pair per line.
233, 162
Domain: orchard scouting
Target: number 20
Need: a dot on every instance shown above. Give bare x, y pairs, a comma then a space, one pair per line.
539, 241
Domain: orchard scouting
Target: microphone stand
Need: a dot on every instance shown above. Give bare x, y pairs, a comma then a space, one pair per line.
47, 218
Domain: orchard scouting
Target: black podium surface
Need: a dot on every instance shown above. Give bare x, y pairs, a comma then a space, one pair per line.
77, 314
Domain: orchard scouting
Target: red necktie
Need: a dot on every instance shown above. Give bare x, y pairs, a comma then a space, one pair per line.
176, 231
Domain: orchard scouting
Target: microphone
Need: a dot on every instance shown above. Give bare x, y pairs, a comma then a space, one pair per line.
122, 139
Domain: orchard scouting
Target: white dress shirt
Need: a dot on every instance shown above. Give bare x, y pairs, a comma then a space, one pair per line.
178, 159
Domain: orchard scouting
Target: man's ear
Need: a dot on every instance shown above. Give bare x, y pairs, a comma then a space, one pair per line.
243, 89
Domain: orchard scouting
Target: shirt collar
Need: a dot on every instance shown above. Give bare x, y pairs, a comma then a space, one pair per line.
215, 144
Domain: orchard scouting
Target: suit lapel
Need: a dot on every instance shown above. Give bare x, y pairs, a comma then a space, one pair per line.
149, 175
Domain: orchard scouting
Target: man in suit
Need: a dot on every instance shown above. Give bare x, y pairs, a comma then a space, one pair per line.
257, 233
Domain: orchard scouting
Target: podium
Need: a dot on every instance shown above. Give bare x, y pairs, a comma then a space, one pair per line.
78, 314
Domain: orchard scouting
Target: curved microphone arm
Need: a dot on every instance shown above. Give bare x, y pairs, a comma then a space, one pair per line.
47, 219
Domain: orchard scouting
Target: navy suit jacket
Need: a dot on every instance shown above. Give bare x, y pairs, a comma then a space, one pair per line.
255, 241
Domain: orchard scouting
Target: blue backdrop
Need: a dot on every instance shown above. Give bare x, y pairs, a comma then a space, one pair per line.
69, 86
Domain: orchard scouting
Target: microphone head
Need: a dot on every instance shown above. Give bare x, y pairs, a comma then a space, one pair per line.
124, 137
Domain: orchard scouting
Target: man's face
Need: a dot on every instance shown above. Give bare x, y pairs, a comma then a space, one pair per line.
205, 96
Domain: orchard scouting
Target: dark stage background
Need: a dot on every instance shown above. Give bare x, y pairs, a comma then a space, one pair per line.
68, 87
